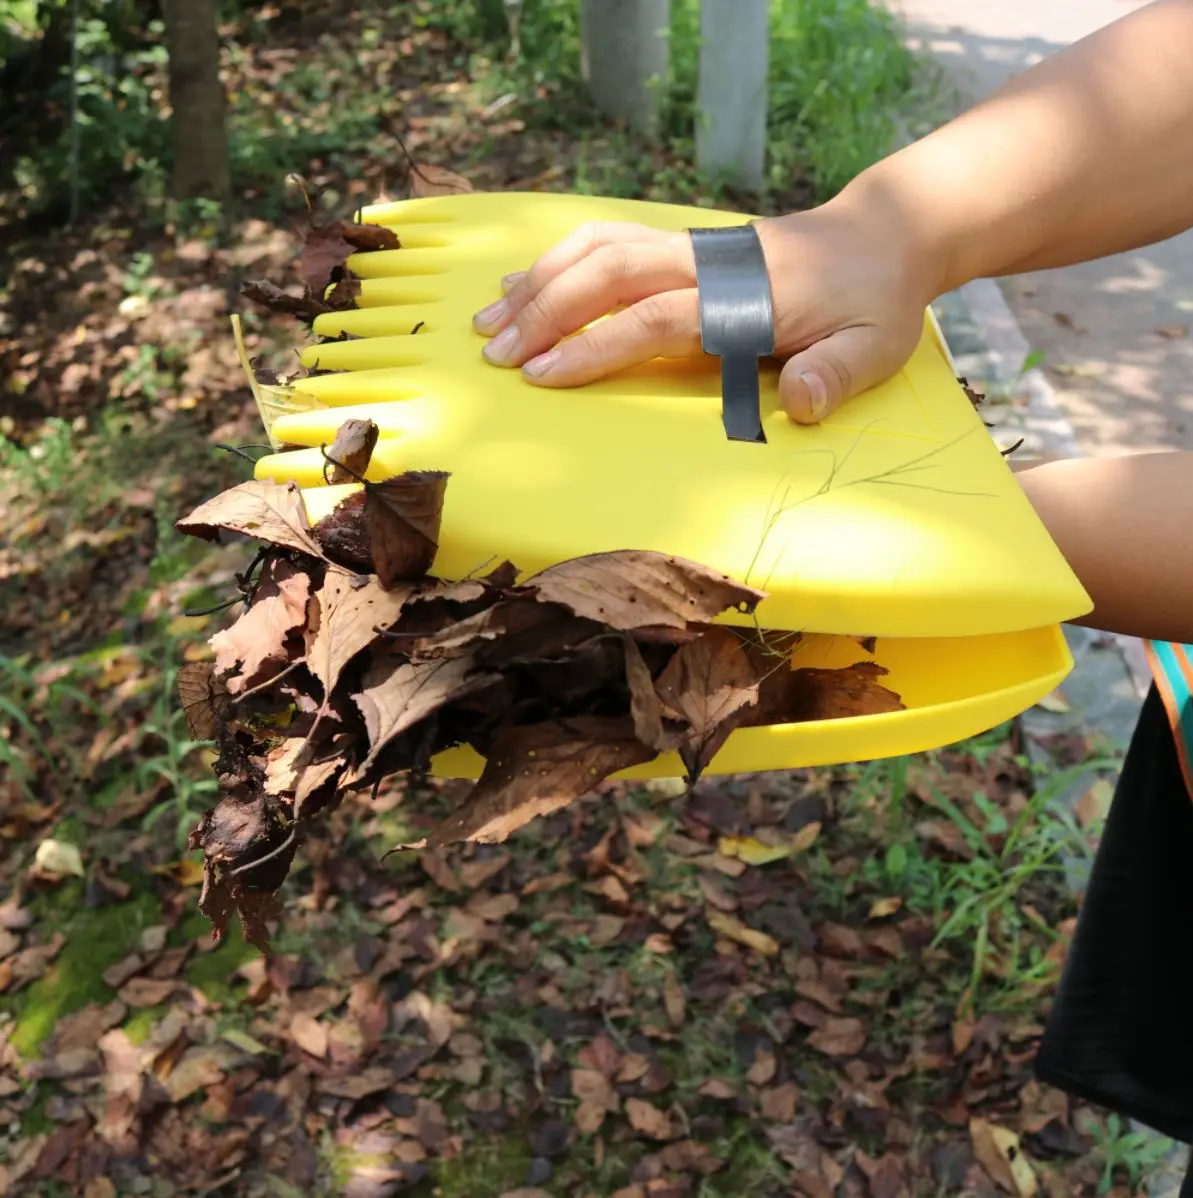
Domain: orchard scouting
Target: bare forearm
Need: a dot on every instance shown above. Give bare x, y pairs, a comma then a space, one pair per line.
1125, 525
1087, 154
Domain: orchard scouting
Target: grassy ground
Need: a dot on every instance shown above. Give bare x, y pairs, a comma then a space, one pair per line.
828, 981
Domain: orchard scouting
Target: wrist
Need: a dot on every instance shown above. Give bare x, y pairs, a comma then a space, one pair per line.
901, 219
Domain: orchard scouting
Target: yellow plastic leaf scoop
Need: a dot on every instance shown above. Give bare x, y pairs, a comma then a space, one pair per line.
894, 533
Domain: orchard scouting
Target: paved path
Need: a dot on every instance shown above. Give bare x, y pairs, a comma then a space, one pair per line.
1124, 386
1111, 385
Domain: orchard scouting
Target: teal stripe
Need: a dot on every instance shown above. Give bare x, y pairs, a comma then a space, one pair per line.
1178, 684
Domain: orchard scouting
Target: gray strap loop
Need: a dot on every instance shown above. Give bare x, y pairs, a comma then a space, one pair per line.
736, 320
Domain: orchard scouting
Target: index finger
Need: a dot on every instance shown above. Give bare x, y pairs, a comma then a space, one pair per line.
575, 247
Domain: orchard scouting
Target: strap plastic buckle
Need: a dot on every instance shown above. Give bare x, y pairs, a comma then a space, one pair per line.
737, 320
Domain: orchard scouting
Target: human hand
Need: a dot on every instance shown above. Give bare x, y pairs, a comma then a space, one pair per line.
845, 282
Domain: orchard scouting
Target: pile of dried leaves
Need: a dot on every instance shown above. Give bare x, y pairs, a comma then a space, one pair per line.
349, 663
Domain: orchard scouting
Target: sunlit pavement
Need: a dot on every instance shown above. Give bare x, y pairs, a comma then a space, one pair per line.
1117, 334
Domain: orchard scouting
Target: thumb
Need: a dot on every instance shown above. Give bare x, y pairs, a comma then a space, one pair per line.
817, 381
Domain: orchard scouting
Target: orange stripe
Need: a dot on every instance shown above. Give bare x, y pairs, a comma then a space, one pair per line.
1170, 703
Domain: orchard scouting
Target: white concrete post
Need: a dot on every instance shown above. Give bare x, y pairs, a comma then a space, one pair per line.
625, 57
731, 98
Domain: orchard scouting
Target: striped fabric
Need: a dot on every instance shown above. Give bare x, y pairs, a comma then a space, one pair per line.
1172, 668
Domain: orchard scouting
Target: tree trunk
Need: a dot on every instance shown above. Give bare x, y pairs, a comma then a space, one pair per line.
197, 100
625, 59
731, 103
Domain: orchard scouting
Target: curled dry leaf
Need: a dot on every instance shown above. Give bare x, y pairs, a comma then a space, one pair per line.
273, 299
398, 694
204, 698
631, 590
843, 1037
279, 605
351, 451
402, 517
343, 537
711, 684
428, 180
259, 508
535, 770
326, 249
999, 1152
345, 619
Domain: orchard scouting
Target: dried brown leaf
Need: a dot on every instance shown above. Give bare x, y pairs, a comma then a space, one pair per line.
429, 180
309, 1034
342, 535
358, 1085
204, 698
352, 450
712, 684
259, 508
843, 1037
325, 250
398, 694
793, 696
637, 589
647, 1120
537, 769
273, 299
146, 992
279, 605
778, 1103
591, 1086
402, 516
344, 620
762, 1071
646, 708
733, 929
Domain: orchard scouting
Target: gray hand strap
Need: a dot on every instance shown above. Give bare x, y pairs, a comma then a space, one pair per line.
736, 320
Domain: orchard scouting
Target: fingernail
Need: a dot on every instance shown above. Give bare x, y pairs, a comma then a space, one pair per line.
494, 314
818, 393
501, 348
543, 364
509, 280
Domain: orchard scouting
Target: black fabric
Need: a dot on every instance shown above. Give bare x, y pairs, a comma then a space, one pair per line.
1120, 1033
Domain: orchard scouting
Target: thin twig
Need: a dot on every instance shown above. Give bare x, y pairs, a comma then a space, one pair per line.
254, 690
243, 869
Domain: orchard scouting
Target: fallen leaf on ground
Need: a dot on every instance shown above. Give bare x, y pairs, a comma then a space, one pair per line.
309, 1034
58, 859
733, 929
1000, 1154
646, 1119
1056, 703
839, 1037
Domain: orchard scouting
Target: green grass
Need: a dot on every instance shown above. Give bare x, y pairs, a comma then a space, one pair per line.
843, 88
95, 939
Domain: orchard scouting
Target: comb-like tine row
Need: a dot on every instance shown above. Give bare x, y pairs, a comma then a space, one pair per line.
319, 425
401, 263
395, 293
370, 353
395, 321
402, 213
364, 386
